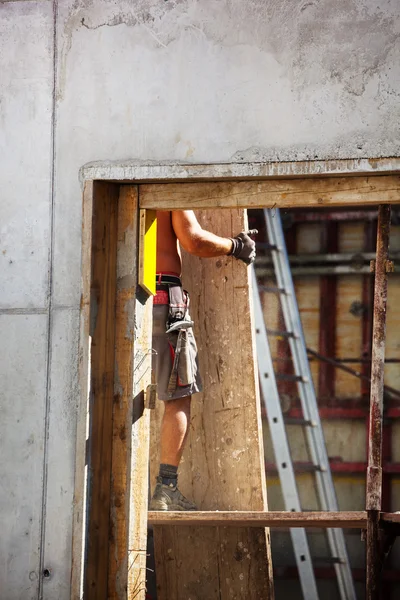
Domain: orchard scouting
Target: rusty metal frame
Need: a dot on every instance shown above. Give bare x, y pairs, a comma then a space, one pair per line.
327, 316
374, 471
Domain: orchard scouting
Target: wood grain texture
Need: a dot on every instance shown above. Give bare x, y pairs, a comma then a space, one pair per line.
281, 519
271, 193
222, 467
130, 437
79, 516
103, 290
390, 517
139, 448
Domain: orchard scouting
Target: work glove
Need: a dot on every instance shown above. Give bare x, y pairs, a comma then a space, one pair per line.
243, 247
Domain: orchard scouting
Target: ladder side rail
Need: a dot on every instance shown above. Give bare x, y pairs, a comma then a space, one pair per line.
301, 367
281, 448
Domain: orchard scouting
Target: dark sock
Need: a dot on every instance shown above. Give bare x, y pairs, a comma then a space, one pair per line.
168, 474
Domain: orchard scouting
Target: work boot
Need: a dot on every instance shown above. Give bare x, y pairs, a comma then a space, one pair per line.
168, 497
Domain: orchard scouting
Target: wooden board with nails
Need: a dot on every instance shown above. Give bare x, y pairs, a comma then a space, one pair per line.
222, 467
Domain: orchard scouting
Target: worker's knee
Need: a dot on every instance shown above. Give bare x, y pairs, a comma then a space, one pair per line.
178, 405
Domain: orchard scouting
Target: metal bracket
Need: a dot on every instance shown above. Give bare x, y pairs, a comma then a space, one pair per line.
150, 398
389, 266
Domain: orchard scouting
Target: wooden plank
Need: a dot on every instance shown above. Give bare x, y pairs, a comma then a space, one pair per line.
391, 517
123, 390
103, 289
222, 467
131, 422
281, 519
148, 250
79, 515
271, 193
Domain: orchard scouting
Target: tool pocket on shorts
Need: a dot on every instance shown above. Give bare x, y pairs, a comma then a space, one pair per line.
185, 373
178, 304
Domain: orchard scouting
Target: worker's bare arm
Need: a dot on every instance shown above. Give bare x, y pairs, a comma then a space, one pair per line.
196, 240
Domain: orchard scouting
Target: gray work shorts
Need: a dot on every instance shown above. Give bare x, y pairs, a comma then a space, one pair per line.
163, 353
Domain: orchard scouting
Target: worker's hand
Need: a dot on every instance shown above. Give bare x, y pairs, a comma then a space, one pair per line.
243, 247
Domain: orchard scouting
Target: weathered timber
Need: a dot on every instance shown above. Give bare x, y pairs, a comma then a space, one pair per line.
131, 424
139, 448
282, 519
102, 316
222, 467
272, 193
387, 518
118, 317
79, 516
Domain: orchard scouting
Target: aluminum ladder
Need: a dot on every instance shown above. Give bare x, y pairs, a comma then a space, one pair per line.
312, 422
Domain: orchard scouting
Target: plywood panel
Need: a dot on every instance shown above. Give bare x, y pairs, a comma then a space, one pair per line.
308, 238
351, 237
222, 467
349, 333
392, 370
308, 298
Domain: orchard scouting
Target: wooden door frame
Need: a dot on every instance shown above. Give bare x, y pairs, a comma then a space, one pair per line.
173, 187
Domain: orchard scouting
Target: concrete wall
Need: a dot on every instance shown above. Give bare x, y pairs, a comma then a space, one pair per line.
182, 80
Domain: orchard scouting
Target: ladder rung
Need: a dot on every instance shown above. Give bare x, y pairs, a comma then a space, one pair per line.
330, 560
272, 289
298, 467
298, 421
267, 246
294, 378
278, 333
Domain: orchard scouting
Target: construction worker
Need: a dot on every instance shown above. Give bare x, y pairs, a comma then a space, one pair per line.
174, 346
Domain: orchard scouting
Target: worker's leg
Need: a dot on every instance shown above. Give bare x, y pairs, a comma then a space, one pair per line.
174, 430
176, 419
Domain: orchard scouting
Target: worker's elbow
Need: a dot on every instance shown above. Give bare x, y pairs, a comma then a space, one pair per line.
194, 246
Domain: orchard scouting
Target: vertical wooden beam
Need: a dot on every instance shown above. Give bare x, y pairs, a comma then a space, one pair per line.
131, 422
102, 316
80, 489
374, 471
223, 464
120, 317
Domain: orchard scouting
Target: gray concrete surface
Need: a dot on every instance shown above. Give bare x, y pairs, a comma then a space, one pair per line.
197, 81
26, 82
23, 361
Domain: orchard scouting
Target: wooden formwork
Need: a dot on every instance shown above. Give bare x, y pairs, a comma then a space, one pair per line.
115, 365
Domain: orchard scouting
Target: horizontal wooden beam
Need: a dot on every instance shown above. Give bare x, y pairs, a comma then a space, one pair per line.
391, 518
281, 519
346, 520
272, 193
